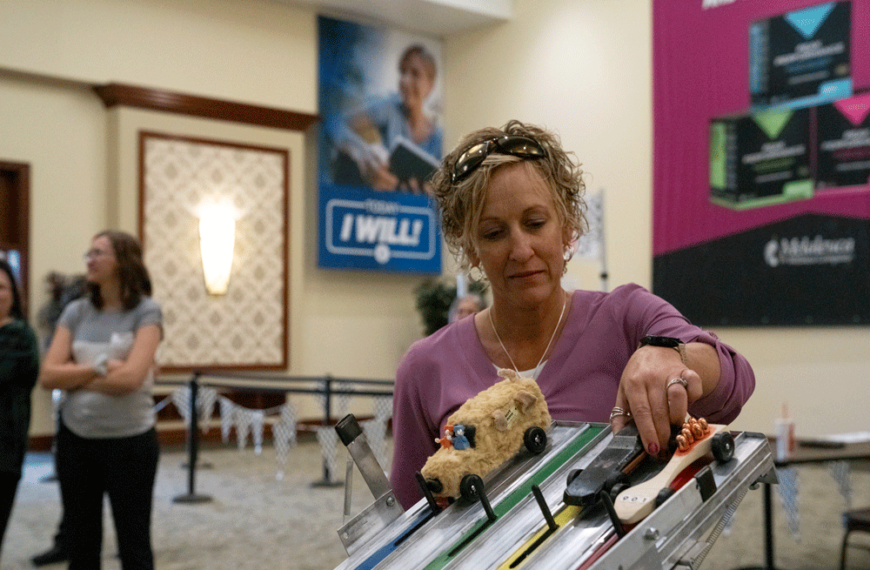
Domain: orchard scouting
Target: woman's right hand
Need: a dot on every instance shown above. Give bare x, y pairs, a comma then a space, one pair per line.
58, 370
369, 158
382, 180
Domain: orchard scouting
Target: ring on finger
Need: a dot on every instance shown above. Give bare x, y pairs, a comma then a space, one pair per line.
678, 380
617, 411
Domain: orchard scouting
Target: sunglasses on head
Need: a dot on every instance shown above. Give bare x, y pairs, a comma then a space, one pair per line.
514, 145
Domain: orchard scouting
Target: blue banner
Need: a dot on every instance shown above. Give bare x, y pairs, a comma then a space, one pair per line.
394, 231
380, 141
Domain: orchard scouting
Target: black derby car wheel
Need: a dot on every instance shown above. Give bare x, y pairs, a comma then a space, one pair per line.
616, 484
664, 495
434, 485
573, 474
470, 487
722, 446
535, 439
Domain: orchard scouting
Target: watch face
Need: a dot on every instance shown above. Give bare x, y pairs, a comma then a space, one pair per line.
668, 341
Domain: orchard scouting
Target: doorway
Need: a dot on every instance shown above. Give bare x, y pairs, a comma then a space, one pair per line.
15, 219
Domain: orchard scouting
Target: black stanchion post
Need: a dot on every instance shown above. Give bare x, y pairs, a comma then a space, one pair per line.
192, 449
327, 415
327, 420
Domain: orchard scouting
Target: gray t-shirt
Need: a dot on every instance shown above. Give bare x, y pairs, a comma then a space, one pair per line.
94, 332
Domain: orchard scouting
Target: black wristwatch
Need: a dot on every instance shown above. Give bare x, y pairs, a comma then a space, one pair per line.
668, 342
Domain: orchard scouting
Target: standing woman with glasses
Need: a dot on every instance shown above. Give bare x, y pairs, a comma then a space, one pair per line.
511, 203
19, 368
102, 355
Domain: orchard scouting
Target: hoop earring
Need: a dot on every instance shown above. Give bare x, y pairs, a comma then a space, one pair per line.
481, 276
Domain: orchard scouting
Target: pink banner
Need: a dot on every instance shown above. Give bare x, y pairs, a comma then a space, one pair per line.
701, 71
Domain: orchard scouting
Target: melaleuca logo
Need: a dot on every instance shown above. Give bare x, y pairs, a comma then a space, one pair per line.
705, 4
771, 253
809, 251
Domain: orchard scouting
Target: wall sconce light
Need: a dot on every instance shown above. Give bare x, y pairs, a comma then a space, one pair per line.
217, 235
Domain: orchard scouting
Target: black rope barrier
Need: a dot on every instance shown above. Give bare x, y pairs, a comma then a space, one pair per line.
327, 392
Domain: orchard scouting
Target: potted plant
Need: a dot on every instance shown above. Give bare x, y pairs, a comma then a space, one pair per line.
434, 297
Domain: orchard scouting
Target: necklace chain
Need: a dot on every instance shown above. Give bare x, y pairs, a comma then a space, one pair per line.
546, 350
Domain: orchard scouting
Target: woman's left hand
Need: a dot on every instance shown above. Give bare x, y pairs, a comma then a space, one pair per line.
651, 391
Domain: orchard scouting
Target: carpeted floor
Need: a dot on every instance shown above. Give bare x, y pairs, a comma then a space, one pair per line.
255, 521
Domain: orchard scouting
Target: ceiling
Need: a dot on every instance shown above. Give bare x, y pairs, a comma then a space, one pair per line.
437, 18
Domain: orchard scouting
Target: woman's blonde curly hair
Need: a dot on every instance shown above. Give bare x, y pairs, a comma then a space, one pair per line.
461, 203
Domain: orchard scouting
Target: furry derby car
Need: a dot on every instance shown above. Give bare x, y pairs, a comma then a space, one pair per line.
486, 431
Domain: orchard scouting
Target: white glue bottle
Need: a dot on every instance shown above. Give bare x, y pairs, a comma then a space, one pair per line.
784, 431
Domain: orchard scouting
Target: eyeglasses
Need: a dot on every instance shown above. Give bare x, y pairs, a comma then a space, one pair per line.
514, 145
94, 253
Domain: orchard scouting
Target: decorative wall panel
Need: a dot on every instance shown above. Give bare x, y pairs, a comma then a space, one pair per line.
179, 178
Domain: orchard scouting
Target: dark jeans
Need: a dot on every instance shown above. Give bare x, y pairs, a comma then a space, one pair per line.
125, 469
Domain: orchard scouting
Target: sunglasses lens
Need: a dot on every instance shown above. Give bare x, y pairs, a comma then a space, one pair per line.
523, 147
470, 159
519, 146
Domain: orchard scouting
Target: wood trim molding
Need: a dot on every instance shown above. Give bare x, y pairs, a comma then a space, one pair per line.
114, 94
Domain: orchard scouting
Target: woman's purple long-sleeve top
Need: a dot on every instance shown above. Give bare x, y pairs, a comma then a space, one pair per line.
579, 381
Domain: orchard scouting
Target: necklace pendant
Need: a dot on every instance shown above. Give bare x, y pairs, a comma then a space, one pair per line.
536, 369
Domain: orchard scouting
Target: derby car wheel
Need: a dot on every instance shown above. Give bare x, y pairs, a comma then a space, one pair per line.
573, 474
535, 439
722, 445
616, 484
470, 487
664, 495
434, 485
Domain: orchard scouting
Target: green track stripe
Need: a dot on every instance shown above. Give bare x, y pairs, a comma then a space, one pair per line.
521, 492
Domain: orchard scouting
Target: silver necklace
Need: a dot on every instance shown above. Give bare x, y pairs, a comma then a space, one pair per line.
546, 350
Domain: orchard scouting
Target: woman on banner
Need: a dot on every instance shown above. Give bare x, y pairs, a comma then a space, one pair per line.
393, 144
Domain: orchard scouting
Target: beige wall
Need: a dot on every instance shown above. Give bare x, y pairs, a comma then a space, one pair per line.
581, 67
258, 51
83, 158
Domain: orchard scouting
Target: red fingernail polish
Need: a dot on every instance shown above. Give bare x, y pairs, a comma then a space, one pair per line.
653, 448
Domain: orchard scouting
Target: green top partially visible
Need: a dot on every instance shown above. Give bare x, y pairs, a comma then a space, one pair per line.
19, 369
